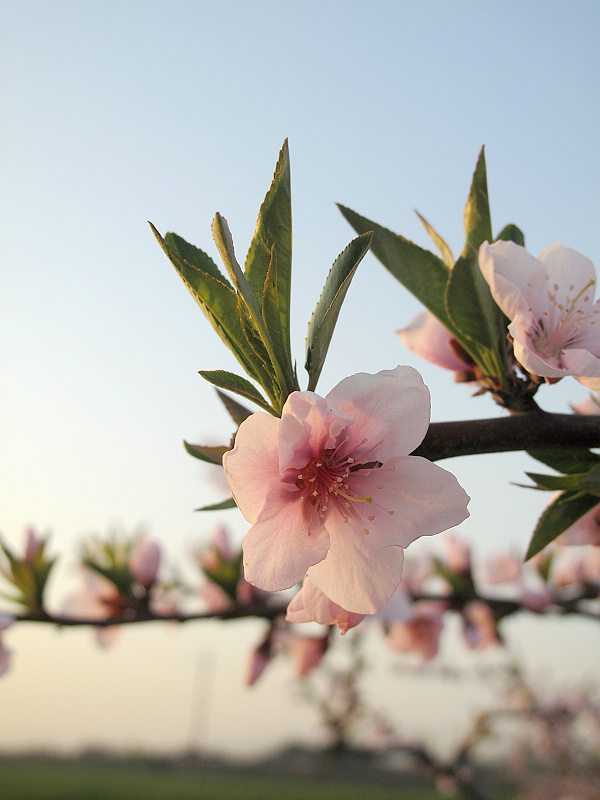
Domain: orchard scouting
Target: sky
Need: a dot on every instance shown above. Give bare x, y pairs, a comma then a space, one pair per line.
114, 114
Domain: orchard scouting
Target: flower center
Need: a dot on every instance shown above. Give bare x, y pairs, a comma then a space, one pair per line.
332, 477
563, 324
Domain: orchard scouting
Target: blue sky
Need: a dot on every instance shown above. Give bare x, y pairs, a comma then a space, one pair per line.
118, 113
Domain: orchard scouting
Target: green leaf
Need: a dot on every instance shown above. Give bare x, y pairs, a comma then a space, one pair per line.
235, 383
477, 221
225, 504
212, 455
556, 483
568, 460
441, 245
224, 242
272, 319
591, 482
274, 229
419, 270
558, 516
510, 233
194, 256
218, 301
250, 316
322, 324
237, 411
479, 323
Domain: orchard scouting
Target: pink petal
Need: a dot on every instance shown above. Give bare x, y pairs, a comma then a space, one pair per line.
390, 410
311, 605
309, 425
586, 530
284, 542
357, 575
565, 267
411, 497
427, 337
145, 561
584, 367
253, 463
509, 268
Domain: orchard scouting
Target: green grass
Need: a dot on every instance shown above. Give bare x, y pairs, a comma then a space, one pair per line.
30, 780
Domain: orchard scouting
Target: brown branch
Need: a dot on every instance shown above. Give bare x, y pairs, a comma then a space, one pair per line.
530, 431
501, 607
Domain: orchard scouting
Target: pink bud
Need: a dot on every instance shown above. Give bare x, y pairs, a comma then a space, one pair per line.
144, 562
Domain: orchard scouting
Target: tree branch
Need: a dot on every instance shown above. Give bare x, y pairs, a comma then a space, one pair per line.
530, 431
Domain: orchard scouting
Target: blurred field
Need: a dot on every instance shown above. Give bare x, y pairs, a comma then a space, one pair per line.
25, 779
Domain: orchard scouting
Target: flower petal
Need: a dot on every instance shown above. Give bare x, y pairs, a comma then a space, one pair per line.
411, 497
583, 366
284, 542
390, 409
516, 278
427, 337
356, 574
253, 463
308, 426
566, 267
311, 605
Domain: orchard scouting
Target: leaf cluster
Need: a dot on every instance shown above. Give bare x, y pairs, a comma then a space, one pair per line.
456, 292
578, 487
250, 308
27, 574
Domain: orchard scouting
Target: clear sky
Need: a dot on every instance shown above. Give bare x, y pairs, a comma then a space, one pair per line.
115, 113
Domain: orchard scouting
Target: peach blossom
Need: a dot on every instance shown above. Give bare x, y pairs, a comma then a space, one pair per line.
554, 321
331, 488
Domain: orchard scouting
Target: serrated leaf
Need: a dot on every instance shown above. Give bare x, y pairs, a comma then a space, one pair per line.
441, 245
568, 460
510, 233
222, 506
556, 483
237, 384
256, 342
558, 516
224, 241
420, 271
196, 257
237, 411
322, 324
218, 301
250, 316
210, 454
272, 318
274, 229
477, 221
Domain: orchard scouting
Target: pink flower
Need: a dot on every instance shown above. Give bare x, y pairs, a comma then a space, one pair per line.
554, 322
34, 546
479, 625
98, 599
311, 605
307, 652
421, 632
330, 488
458, 555
586, 530
6, 620
222, 566
503, 568
427, 337
144, 562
